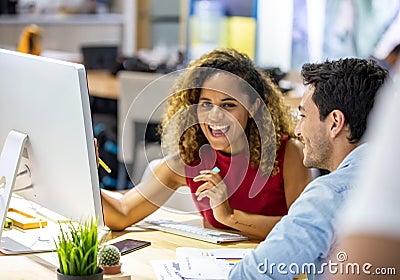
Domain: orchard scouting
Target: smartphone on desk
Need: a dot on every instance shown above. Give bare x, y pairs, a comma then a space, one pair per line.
129, 245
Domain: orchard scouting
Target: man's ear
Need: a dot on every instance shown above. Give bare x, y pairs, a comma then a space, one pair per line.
337, 122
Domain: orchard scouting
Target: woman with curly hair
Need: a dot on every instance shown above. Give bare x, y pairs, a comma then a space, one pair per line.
229, 136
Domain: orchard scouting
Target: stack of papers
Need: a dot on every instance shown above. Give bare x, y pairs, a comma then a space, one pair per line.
195, 263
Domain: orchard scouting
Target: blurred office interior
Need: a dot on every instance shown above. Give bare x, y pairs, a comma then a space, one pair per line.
162, 36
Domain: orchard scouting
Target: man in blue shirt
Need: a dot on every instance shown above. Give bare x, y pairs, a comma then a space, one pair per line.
333, 118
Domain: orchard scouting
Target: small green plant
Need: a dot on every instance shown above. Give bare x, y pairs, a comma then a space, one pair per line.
77, 248
109, 255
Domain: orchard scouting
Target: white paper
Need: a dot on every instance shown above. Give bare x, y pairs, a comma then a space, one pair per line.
196, 264
215, 264
166, 270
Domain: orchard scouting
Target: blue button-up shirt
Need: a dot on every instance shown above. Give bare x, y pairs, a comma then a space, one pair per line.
302, 241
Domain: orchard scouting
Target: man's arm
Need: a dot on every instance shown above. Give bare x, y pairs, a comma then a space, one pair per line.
298, 240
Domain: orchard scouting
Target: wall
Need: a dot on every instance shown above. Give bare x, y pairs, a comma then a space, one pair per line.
66, 33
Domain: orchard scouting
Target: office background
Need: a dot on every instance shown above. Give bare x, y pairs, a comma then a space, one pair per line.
163, 35
288, 32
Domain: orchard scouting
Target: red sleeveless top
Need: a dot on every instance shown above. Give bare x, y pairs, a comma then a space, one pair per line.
248, 189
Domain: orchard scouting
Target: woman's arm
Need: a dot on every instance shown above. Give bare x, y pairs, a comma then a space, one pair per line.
254, 225
145, 198
295, 177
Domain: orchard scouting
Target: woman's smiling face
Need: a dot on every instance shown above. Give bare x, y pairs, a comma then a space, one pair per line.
222, 113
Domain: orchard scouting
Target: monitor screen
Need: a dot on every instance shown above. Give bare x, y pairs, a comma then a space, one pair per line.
48, 100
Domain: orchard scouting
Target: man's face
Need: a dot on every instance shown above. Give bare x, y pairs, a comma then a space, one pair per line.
313, 133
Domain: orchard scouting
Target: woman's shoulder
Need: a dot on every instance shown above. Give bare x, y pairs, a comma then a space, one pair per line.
289, 143
293, 148
294, 143
175, 163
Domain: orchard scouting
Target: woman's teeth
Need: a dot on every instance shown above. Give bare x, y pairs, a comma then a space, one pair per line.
219, 130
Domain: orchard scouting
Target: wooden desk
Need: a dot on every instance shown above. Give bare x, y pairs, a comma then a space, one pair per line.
163, 246
101, 83
26, 267
137, 263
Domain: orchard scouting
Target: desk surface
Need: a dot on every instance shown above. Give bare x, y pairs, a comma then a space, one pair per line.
137, 263
163, 246
101, 83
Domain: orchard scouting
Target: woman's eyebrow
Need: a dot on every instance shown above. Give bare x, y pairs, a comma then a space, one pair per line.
229, 99
224, 99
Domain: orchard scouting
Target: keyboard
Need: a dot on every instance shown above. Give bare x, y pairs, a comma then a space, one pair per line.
191, 231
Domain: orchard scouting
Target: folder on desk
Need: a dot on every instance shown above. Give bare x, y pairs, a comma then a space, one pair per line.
29, 233
25, 220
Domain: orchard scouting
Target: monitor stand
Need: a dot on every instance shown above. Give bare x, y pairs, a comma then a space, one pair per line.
10, 159
9, 163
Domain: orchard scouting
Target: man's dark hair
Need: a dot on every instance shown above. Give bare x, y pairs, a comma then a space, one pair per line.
348, 85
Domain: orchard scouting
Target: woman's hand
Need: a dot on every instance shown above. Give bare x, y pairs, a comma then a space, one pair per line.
215, 189
96, 149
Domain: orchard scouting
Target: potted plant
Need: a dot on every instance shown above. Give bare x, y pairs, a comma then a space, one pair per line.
109, 259
77, 250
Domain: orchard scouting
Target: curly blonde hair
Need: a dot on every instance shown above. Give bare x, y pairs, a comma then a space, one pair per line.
181, 131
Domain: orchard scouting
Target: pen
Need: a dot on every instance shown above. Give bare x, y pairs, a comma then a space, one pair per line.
104, 165
215, 169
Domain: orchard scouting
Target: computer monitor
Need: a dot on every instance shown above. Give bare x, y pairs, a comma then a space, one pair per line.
100, 56
45, 106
